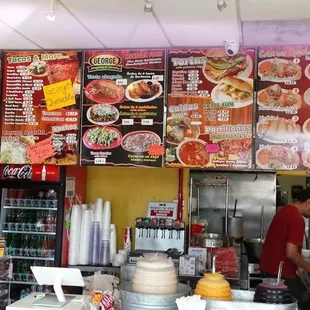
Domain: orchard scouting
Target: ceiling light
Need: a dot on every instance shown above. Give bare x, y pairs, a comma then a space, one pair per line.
148, 6
221, 5
51, 13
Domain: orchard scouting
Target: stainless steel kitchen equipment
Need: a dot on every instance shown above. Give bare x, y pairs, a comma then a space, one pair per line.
159, 235
214, 241
219, 182
254, 246
235, 227
252, 189
134, 301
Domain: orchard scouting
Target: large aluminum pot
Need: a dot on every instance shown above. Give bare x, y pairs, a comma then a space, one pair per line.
136, 301
213, 241
254, 248
235, 227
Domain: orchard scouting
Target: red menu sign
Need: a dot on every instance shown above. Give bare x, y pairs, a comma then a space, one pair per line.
283, 108
123, 108
210, 108
28, 172
35, 81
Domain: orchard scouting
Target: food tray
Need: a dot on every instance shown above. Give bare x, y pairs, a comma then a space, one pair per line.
243, 300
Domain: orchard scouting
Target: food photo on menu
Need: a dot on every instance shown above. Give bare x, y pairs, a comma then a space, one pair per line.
31, 120
123, 108
209, 108
283, 108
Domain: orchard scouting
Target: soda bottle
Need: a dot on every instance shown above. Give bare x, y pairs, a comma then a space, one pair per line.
24, 272
8, 239
25, 246
8, 217
32, 247
44, 247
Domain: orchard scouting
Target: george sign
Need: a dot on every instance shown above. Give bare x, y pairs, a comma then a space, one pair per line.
123, 108
160, 209
40, 151
59, 95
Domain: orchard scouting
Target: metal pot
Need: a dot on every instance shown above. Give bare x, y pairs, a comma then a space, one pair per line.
213, 241
254, 248
235, 227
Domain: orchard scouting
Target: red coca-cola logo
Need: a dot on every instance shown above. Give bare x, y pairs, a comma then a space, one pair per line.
20, 173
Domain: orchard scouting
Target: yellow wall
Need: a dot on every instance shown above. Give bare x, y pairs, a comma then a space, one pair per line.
130, 189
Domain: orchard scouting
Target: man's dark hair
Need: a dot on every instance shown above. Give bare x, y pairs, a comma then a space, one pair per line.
303, 195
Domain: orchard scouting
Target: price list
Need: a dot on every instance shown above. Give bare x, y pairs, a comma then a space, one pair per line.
20, 87
28, 119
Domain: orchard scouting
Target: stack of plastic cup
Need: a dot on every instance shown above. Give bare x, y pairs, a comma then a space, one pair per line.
74, 239
95, 244
106, 221
105, 253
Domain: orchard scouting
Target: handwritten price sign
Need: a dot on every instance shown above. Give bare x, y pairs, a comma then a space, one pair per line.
59, 95
40, 151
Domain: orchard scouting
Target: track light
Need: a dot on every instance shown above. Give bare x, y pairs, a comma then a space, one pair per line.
148, 6
51, 13
221, 5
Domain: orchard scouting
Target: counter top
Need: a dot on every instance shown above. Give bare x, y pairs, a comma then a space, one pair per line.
26, 304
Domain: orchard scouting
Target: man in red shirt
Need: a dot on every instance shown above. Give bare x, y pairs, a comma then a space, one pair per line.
284, 242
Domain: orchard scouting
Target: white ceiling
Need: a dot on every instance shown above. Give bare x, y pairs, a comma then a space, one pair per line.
123, 23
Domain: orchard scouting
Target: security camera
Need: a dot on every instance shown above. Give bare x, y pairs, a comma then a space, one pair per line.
231, 48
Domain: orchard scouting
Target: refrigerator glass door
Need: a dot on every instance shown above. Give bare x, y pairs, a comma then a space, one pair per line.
29, 224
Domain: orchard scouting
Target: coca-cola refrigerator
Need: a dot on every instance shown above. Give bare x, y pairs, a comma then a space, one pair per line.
35, 201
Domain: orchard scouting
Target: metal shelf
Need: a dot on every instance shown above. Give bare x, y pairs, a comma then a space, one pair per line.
19, 282
29, 232
212, 182
34, 258
30, 208
97, 268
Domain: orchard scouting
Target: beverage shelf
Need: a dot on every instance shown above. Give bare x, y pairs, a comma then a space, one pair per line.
31, 208
34, 258
29, 232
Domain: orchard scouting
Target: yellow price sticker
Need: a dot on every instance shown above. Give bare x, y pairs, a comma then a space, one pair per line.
59, 95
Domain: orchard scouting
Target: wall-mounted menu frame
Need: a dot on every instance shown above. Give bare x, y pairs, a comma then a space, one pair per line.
123, 108
25, 118
210, 108
283, 108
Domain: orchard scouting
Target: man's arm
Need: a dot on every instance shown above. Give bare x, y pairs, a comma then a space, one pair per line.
293, 255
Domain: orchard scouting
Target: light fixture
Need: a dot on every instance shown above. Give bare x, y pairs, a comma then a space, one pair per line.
51, 13
221, 5
148, 6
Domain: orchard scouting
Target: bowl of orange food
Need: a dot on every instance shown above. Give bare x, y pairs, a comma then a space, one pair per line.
192, 153
180, 129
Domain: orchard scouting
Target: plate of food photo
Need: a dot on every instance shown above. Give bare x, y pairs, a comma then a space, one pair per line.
143, 90
231, 88
276, 98
102, 114
278, 130
220, 65
279, 70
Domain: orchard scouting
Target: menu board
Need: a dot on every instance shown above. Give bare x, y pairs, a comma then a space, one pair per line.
210, 108
123, 108
40, 107
283, 108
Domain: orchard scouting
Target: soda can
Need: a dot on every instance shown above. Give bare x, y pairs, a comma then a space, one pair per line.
127, 240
